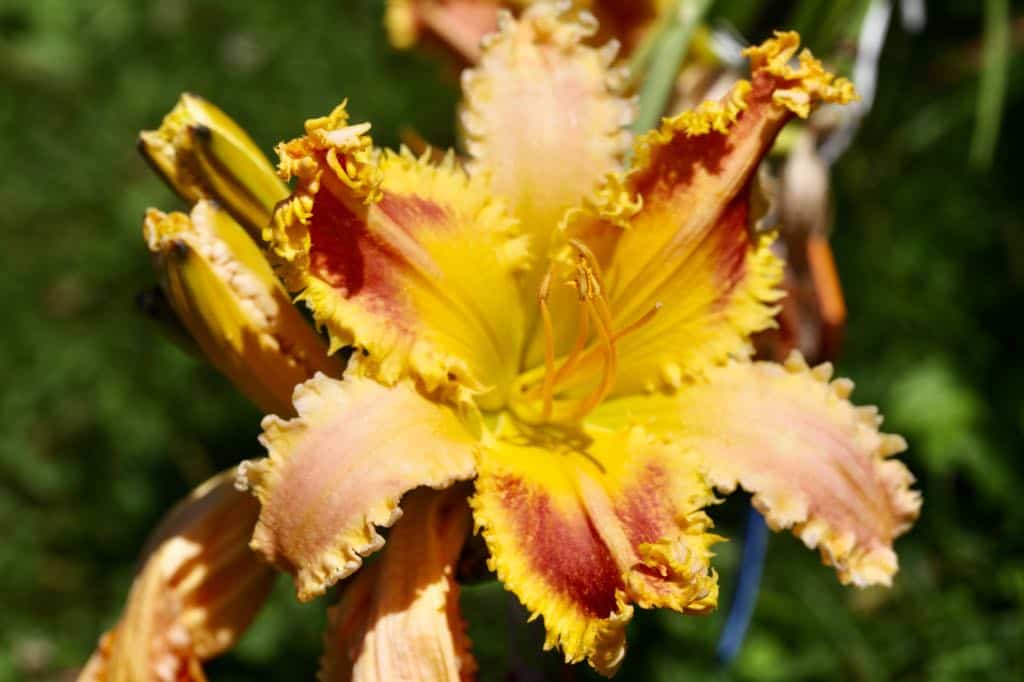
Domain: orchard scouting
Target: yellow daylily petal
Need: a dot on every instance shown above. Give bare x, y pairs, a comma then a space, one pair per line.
412, 262
202, 153
336, 473
579, 526
815, 462
228, 297
647, 506
689, 247
543, 117
398, 620
199, 588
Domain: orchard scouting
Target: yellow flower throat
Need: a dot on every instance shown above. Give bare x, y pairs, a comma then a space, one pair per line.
591, 294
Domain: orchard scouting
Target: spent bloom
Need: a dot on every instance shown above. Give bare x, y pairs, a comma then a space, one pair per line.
553, 349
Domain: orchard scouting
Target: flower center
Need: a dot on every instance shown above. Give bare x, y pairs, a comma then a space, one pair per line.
586, 279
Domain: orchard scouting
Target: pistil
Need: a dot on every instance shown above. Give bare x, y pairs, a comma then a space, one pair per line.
590, 288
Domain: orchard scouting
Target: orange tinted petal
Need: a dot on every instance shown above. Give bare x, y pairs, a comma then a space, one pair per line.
199, 588
336, 473
458, 24
627, 20
399, 618
543, 117
647, 506
814, 461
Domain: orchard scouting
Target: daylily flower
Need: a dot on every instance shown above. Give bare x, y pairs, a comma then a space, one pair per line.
572, 335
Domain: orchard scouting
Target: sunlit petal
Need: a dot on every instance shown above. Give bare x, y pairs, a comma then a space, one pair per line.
336, 473
543, 117
581, 525
814, 461
414, 263
689, 248
398, 619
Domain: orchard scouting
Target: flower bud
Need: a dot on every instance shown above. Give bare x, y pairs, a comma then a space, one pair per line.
226, 294
201, 153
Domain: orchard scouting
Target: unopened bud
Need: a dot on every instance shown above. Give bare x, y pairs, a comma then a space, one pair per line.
226, 294
203, 154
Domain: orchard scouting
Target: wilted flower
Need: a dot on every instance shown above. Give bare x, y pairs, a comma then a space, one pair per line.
198, 588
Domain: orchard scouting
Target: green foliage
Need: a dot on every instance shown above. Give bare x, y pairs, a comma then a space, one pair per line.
105, 424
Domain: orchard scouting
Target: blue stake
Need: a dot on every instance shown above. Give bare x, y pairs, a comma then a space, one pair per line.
747, 583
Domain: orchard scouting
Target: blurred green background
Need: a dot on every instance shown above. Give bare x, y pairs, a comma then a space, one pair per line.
105, 423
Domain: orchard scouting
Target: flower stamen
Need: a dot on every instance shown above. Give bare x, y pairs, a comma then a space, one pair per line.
610, 360
588, 282
547, 391
639, 322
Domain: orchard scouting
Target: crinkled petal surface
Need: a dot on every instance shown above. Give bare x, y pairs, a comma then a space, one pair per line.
543, 117
412, 262
690, 247
198, 589
814, 462
398, 619
337, 472
580, 526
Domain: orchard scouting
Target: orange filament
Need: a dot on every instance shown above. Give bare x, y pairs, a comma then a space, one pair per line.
590, 290
609, 366
576, 354
549, 345
639, 322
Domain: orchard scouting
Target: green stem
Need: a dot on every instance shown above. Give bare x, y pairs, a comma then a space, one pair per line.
992, 88
665, 60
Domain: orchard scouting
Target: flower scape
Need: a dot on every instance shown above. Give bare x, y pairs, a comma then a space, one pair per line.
551, 347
